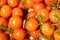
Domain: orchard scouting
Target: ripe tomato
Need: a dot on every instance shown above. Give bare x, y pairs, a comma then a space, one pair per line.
55, 16
47, 30
2, 2
5, 11
3, 36
38, 1
19, 34
48, 2
29, 3
43, 15
17, 12
12, 3
22, 4
31, 14
57, 34
38, 6
31, 24
35, 33
15, 22
3, 21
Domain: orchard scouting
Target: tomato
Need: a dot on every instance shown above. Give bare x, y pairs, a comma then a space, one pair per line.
31, 24
19, 34
38, 1
35, 33
38, 6
5, 11
48, 2
43, 15
55, 16
57, 34
2, 2
3, 21
47, 30
17, 12
22, 4
29, 3
12, 3
31, 14
3, 36
15, 22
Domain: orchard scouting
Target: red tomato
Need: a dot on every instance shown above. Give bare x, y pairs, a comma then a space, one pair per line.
31, 24
17, 12
19, 34
15, 22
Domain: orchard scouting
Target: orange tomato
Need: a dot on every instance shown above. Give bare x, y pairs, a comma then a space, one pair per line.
47, 30
35, 34
3, 36
55, 16
38, 1
48, 2
19, 34
12, 3
17, 12
29, 3
43, 15
15, 22
31, 14
6, 11
57, 34
38, 6
31, 24
3, 2
3, 21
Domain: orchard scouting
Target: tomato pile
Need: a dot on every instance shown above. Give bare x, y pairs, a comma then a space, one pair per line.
29, 19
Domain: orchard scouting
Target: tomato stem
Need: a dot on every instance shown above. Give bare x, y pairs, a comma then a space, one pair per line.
5, 28
58, 4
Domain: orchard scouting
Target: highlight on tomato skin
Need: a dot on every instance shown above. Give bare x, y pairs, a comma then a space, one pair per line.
29, 19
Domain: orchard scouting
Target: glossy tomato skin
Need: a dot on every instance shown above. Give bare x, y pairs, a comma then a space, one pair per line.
47, 30
3, 36
56, 35
3, 2
29, 3
32, 24
17, 12
12, 3
31, 14
48, 2
43, 13
38, 1
6, 11
38, 6
15, 22
55, 16
19, 34
3, 21
35, 34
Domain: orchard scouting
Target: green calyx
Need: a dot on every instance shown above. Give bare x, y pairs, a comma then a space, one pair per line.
3, 27
23, 2
58, 4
